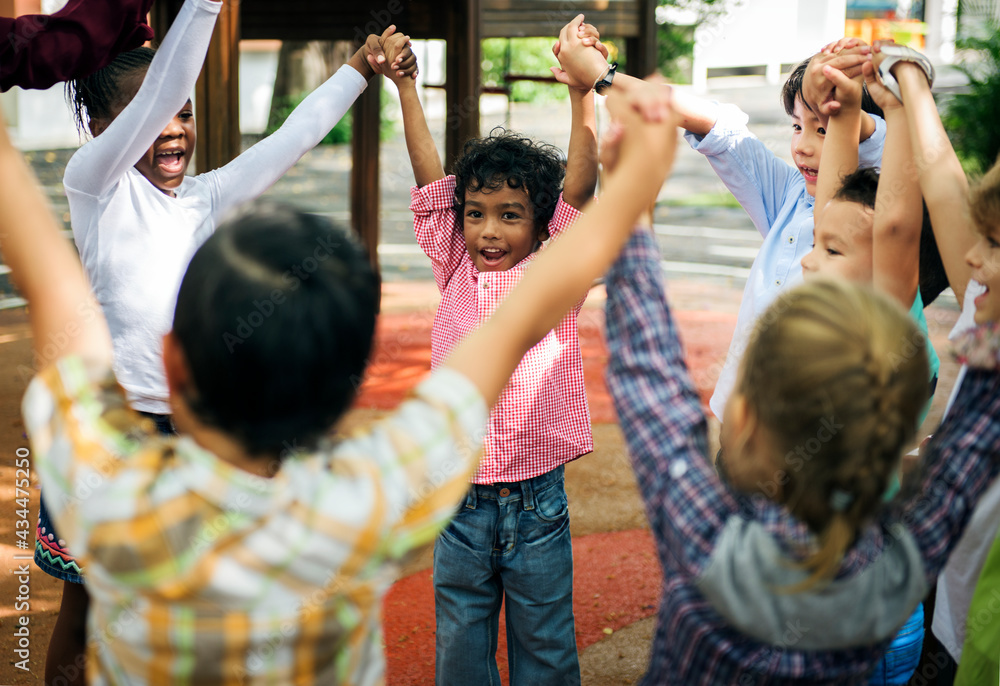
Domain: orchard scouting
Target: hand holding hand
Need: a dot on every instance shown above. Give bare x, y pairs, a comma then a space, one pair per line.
402, 63
637, 124
817, 87
582, 57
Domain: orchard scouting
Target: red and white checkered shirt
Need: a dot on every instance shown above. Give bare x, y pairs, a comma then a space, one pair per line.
542, 419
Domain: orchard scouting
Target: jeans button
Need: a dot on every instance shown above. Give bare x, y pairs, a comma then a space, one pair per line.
504, 492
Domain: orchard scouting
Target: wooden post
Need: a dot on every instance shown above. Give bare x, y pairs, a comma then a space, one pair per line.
641, 50
463, 70
217, 94
365, 167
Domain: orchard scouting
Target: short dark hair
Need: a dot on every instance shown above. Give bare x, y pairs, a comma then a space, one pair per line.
505, 157
275, 317
860, 186
792, 91
97, 96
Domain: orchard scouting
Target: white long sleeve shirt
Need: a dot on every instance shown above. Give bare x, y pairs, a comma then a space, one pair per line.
135, 241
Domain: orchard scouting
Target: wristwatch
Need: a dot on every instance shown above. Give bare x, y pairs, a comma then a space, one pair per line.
604, 83
901, 53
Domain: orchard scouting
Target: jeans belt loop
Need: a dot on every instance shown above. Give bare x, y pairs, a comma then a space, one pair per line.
527, 494
471, 497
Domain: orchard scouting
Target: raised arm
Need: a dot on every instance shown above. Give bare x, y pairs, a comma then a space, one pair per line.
561, 275
840, 147
171, 77
39, 51
424, 156
258, 168
943, 183
898, 206
45, 269
581, 160
847, 55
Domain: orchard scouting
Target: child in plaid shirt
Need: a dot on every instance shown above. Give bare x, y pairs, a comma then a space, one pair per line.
214, 556
510, 541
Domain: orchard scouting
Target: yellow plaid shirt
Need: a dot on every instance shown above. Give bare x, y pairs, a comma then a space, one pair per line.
201, 573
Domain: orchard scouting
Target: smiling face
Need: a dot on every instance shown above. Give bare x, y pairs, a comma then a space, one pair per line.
499, 227
842, 243
167, 160
984, 258
807, 144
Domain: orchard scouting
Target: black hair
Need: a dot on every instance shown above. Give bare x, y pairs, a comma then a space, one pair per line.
505, 157
275, 317
99, 95
792, 91
861, 186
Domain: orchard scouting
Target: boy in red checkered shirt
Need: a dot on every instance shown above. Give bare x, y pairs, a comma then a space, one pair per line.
510, 540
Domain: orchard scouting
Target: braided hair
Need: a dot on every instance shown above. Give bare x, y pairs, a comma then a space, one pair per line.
838, 375
105, 92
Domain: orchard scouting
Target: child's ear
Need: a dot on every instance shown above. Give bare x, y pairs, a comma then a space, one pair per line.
175, 365
543, 234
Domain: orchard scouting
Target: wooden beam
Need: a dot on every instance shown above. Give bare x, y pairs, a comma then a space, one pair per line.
463, 74
217, 95
365, 168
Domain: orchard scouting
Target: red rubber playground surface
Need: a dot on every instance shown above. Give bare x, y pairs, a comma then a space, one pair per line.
616, 577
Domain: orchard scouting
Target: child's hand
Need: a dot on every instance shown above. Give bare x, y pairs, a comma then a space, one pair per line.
653, 100
819, 90
582, 58
637, 116
880, 94
590, 37
402, 62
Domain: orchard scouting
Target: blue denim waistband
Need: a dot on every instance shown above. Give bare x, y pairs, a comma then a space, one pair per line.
514, 490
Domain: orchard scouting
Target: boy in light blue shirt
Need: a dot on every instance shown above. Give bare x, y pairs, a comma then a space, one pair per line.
778, 197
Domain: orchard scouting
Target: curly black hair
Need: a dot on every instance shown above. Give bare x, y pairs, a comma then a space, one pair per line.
792, 91
505, 157
99, 95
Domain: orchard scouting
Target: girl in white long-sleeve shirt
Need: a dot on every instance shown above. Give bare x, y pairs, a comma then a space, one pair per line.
137, 218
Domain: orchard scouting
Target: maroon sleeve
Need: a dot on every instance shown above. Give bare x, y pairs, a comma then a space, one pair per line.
38, 51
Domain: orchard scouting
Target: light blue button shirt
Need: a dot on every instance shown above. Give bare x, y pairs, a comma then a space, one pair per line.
773, 193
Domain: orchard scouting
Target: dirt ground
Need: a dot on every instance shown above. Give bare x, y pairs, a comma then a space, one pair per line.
600, 486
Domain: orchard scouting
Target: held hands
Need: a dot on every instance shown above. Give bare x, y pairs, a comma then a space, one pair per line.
390, 55
637, 127
880, 94
834, 77
583, 59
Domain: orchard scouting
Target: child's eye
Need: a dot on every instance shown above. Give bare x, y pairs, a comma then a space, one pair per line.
474, 214
821, 131
511, 216
831, 251
796, 128
992, 242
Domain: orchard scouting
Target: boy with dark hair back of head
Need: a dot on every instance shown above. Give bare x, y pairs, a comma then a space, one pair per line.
226, 561
482, 227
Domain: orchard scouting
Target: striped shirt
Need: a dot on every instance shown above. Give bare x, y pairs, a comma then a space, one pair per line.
542, 419
201, 573
720, 620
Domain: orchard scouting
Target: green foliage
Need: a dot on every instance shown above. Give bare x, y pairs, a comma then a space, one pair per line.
675, 43
342, 132
523, 57
970, 116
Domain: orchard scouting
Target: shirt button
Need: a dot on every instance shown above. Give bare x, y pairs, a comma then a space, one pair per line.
777, 282
504, 492
485, 285
791, 239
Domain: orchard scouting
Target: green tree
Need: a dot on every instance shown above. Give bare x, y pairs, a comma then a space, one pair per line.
969, 116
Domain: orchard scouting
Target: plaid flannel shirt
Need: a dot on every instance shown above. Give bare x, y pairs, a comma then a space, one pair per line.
688, 507
542, 419
201, 573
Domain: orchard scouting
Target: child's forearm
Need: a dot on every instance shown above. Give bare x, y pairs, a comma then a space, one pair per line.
695, 114
898, 216
840, 155
943, 183
44, 268
424, 157
581, 160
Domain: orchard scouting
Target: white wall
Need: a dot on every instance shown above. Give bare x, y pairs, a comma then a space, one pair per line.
750, 33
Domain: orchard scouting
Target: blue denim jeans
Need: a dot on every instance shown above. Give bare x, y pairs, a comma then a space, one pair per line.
508, 542
903, 656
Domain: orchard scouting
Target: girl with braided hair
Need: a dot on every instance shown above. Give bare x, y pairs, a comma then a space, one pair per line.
137, 219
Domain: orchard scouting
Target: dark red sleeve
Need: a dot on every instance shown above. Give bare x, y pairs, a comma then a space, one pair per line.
38, 51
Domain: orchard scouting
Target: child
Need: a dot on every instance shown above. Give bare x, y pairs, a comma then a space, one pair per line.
39, 51
214, 557
137, 219
779, 198
810, 588
964, 227
868, 229
481, 227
